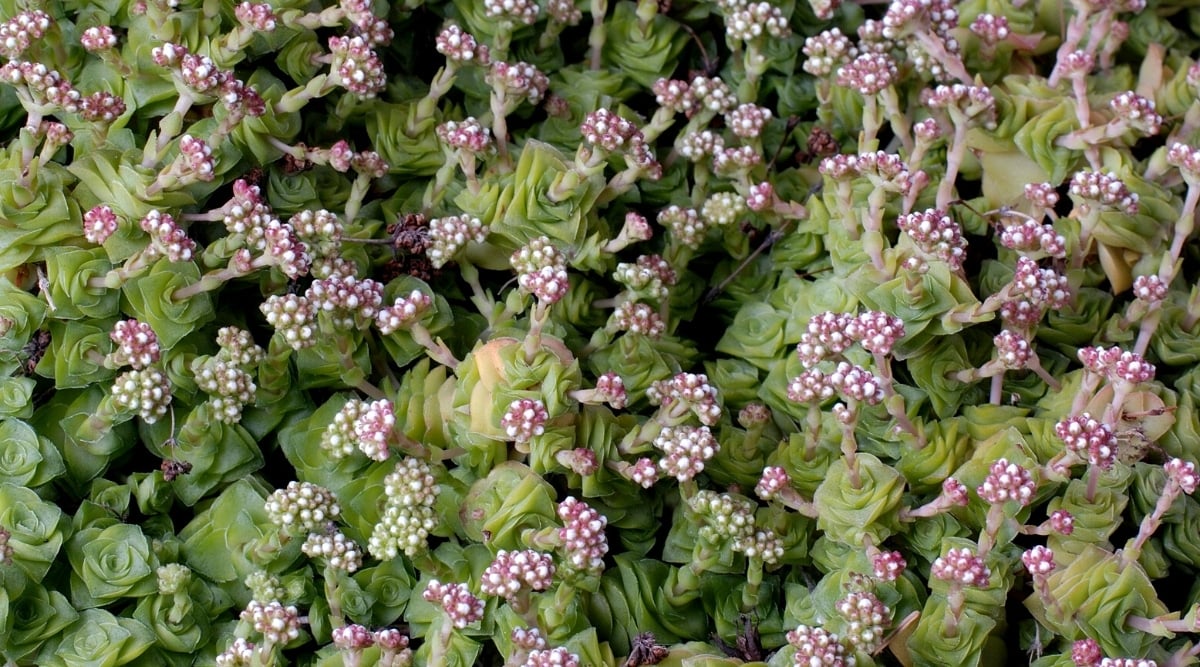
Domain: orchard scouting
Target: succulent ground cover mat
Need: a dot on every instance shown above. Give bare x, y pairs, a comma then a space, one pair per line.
599, 333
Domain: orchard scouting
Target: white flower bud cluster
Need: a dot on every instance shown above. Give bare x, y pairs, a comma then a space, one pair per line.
302, 508
408, 515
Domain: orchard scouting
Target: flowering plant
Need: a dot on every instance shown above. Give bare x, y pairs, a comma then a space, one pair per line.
585, 333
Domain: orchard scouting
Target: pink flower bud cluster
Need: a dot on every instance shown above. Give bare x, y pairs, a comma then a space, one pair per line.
356, 66
6, 549
674, 95
826, 337
1127, 662
877, 332
95, 39
690, 390
145, 392
751, 20
607, 131
1042, 195
827, 51
1013, 351
964, 103
338, 551
1086, 653
815, 647
582, 538
1093, 188
166, 238
1029, 236
350, 303
888, 565
637, 318
1089, 439
869, 73
991, 29
515, 11
524, 419
1182, 474
45, 86
936, 234
611, 389
460, 46
395, 645
239, 654
773, 480
1038, 561
403, 313
867, 620
1062, 522
1150, 289
353, 637
101, 107
685, 450
527, 639
408, 516
302, 508
748, 120
1136, 112
519, 80
850, 381
1043, 288
1186, 159
564, 12
467, 135
643, 472
884, 170
277, 624
512, 570
462, 608
449, 235
137, 345
257, 16
1007, 481
17, 33
1117, 364
541, 270
962, 567
955, 492
373, 429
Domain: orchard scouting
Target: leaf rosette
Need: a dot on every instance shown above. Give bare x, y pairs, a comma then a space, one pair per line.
110, 563
100, 639
37, 528
849, 513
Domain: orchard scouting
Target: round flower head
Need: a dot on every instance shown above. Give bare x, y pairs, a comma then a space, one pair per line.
462, 608
962, 566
